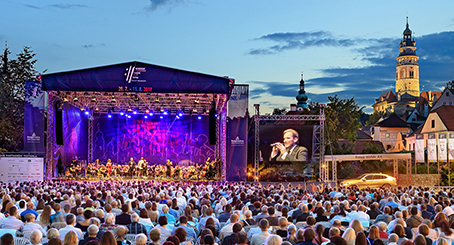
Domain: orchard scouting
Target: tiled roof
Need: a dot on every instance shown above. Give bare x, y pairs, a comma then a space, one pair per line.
393, 121
446, 114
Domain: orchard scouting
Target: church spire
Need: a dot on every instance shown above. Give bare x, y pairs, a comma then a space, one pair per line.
301, 97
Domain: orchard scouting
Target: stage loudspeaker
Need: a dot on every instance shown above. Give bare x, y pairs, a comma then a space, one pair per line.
212, 127
58, 125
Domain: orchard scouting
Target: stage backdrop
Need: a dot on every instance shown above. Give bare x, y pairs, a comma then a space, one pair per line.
184, 141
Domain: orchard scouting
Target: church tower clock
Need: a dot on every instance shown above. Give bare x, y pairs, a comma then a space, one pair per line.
407, 68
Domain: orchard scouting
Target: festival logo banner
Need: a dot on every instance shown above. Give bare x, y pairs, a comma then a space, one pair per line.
442, 150
236, 166
34, 118
432, 148
451, 147
419, 148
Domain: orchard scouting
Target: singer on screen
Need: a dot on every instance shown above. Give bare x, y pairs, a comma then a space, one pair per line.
289, 150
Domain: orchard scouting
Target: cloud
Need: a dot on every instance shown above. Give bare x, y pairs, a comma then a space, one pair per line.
94, 45
301, 40
68, 6
32, 6
155, 4
59, 6
367, 82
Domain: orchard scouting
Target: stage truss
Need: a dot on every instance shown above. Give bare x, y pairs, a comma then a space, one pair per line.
318, 144
141, 103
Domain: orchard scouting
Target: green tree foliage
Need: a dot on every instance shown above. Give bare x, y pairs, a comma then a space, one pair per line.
374, 117
450, 85
278, 111
14, 73
341, 123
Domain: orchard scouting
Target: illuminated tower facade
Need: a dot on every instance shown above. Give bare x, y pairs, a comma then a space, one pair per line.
407, 69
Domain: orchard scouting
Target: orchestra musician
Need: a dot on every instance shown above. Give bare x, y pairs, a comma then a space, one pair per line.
143, 167
131, 167
168, 168
109, 167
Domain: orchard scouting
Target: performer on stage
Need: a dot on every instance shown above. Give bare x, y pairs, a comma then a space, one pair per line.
132, 167
169, 168
109, 167
143, 167
289, 150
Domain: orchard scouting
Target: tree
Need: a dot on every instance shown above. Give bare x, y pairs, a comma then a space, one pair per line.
341, 117
14, 73
374, 117
278, 111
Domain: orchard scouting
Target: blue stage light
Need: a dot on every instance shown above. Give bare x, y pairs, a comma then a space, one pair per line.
180, 114
122, 113
151, 114
165, 113
199, 117
87, 113
161, 117
216, 115
135, 112
145, 116
129, 116
109, 116
177, 117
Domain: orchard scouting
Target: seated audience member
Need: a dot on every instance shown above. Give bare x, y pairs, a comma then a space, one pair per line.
259, 239
70, 238
141, 239
83, 225
135, 227
155, 236
423, 229
11, 222
92, 232
36, 237
108, 238
165, 232
7, 239
124, 218
319, 230
70, 222
282, 229
191, 234
233, 238
30, 224
121, 233
273, 240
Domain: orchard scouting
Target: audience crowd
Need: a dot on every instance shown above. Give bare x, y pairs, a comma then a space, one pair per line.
187, 213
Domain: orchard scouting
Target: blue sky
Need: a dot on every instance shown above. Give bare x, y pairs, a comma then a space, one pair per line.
343, 47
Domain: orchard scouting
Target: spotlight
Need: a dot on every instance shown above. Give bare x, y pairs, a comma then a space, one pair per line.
87, 113
165, 113
129, 116
109, 115
151, 114
82, 109
96, 109
135, 112
122, 113
177, 117
129, 109
196, 101
113, 100
93, 99
146, 117
147, 111
156, 100
65, 100
194, 110
178, 100
216, 115
180, 114
162, 109
199, 117
75, 99
161, 117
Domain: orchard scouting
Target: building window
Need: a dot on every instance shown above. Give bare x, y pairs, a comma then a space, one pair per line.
387, 135
433, 123
388, 147
447, 93
411, 74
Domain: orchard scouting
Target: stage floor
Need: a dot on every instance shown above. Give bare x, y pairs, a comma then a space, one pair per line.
96, 179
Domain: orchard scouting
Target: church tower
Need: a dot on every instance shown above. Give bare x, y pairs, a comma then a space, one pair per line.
407, 69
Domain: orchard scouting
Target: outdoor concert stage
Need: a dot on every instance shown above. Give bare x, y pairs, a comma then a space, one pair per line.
136, 109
